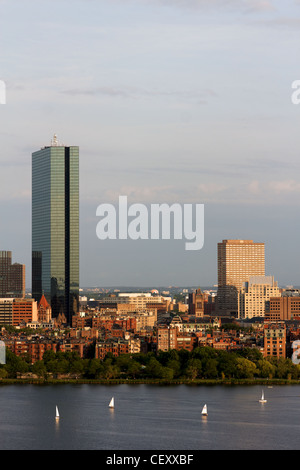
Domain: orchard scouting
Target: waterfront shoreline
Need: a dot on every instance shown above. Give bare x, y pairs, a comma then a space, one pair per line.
199, 382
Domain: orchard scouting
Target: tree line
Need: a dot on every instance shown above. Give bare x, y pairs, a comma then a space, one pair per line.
201, 363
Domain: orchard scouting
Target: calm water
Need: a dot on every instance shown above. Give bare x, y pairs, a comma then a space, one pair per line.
149, 417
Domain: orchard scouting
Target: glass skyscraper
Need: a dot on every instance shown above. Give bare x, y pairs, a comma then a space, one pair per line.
55, 227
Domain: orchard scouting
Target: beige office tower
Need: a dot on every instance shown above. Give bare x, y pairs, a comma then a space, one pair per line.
238, 260
255, 295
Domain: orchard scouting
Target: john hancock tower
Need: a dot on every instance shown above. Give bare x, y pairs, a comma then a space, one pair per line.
55, 227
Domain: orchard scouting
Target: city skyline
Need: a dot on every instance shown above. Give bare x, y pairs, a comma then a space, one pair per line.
169, 102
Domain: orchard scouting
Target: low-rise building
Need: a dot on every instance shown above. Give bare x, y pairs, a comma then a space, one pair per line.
114, 346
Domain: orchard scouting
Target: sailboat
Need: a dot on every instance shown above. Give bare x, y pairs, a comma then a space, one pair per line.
57, 414
262, 400
204, 410
112, 403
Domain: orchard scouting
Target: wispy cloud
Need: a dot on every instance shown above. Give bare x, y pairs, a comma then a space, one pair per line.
243, 5
258, 6
282, 22
285, 187
254, 192
133, 93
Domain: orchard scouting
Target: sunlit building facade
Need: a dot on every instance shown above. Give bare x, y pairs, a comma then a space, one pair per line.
238, 260
256, 294
55, 227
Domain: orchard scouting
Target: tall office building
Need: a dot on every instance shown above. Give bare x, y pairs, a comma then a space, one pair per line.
238, 260
17, 280
5, 263
12, 276
256, 294
55, 227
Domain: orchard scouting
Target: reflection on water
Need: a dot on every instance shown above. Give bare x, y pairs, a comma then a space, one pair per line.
149, 417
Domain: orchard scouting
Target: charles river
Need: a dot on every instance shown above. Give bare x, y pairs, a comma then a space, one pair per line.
149, 417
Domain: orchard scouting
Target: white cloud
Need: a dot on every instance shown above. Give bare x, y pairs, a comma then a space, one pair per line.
253, 5
286, 187
255, 192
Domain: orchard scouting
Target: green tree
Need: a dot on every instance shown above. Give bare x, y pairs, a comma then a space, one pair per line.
76, 367
49, 355
204, 353
227, 364
39, 369
253, 354
210, 368
94, 368
283, 368
175, 366
123, 362
166, 373
110, 370
245, 369
265, 369
154, 368
15, 365
193, 368
3, 373
134, 369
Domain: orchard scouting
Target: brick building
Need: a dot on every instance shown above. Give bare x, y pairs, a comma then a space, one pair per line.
166, 338
14, 311
44, 310
113, 346
275, 342
24, 311
197, 301
283, 308
117, 346
34, 349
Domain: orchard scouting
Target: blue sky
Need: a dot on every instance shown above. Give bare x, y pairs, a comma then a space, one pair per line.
170, 101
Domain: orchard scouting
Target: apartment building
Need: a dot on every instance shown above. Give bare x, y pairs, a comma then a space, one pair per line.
137, 301
166, 338
275, 340
254, 295
114, 346
33, 349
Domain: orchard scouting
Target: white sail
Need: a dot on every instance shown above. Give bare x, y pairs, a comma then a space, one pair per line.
112, 403
57, 413
204, 410
262, 400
